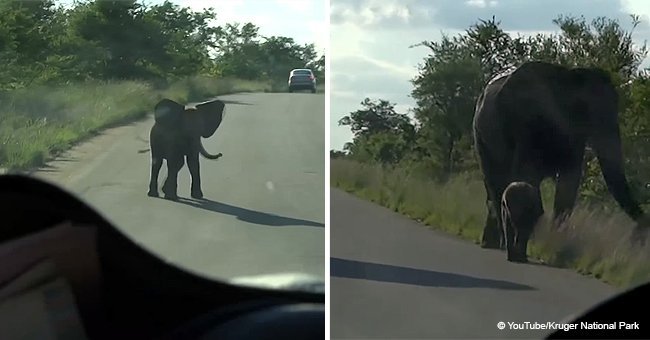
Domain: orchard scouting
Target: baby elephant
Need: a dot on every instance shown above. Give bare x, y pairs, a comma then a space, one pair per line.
521, 207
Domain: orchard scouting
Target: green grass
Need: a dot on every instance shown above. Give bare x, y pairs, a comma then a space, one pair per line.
594, 241
38, 123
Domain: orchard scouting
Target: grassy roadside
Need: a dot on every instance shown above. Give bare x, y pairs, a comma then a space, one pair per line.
593, 242
38, 123
282, 87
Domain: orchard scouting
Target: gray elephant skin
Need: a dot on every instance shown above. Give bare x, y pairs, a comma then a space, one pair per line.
176, 137
521, 208
535, 123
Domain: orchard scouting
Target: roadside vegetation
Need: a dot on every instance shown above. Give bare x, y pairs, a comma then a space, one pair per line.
422, 163
70, 72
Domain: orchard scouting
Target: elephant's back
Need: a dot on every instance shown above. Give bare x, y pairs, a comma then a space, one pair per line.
486, 118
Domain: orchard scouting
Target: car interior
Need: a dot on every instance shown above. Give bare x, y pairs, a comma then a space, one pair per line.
619, 312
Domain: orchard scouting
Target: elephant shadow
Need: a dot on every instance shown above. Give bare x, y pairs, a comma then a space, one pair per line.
247, 215
352, 269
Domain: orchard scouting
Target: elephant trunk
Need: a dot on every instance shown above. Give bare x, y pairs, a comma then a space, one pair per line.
609, 151
205, 153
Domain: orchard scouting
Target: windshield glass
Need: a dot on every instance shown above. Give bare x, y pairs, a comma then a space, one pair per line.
231, 188
301, 73
444, 186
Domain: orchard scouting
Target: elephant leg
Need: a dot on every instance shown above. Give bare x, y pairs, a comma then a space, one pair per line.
195, 172
493, 237
495, 181
156, 164
508, 230
520, 172
170, 188
566, 192
526, 168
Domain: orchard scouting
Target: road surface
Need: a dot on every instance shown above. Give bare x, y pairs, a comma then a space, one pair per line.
264, 207
392, 278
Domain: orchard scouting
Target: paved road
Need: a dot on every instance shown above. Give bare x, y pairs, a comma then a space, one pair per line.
391, 278
264, 207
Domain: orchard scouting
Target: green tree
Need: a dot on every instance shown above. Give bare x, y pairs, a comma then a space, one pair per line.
28, 31
380, 133
445, 92
110, 39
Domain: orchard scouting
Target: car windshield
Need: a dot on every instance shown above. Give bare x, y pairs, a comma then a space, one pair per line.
301, 73
444, 186
166, 117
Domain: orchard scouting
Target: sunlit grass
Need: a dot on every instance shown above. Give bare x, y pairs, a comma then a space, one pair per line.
38, 123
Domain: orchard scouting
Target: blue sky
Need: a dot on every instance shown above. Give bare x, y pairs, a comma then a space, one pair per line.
307, 21
370, 38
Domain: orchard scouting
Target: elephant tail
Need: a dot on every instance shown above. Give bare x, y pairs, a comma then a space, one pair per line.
205, 153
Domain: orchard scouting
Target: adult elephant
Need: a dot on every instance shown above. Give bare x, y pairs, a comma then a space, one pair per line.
534, 123
176, 137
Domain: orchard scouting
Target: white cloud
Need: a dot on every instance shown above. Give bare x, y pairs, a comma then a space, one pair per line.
639, 7
403, 108
375, 13
344, 94
642, 9
380, 13
481, 3
407, 72
345, 40
300, 6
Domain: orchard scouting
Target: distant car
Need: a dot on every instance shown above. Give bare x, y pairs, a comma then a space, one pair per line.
302, 79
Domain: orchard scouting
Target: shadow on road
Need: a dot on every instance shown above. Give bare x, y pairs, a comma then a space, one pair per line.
247, 215
352, 269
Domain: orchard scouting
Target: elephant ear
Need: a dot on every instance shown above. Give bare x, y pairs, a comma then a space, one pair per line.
168, 112
212, 114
